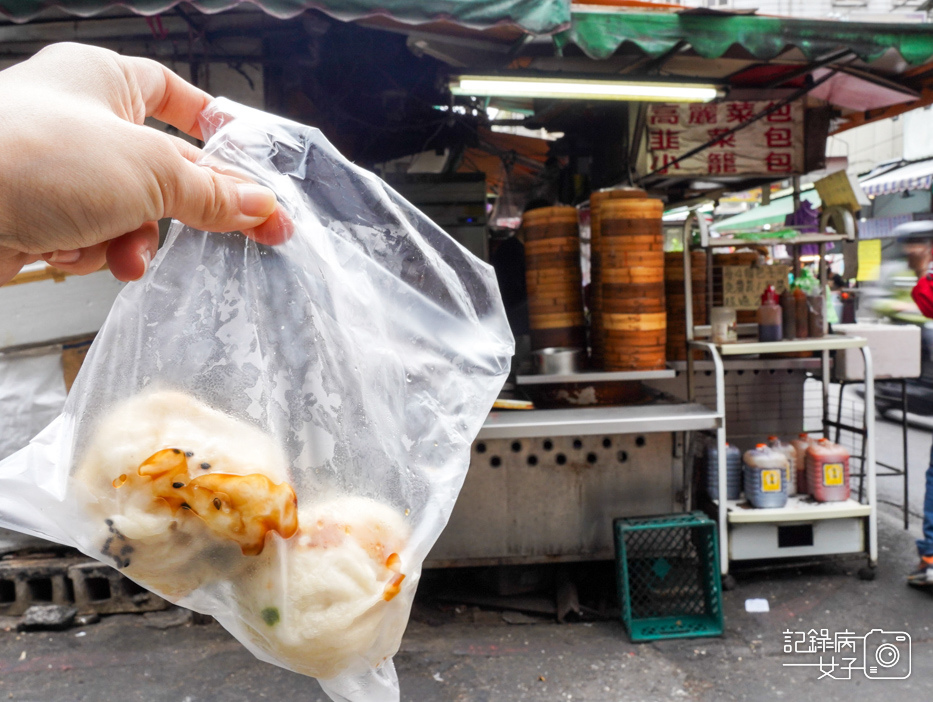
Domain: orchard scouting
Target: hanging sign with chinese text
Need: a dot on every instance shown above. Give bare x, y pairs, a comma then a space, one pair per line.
772, 146
742, 286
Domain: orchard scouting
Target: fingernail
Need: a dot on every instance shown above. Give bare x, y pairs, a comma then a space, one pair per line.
71, 256
146, 258
255, 200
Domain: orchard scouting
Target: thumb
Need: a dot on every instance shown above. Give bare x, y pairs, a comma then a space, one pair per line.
205, 199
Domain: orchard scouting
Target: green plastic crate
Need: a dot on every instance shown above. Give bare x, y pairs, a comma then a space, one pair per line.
668, 576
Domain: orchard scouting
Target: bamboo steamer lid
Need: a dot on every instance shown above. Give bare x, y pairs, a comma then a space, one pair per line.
616, 229
566, 244
634, 322
634, 275
600, 196
642, 208
555, 279
556, 320
552, 261
644, 341
620, 257
633, 305
557, 267
632, 242
550, 222
557, 213
621, 193
632, 363
638, 359
623, 290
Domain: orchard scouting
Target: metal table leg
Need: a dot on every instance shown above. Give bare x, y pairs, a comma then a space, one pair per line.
868, 465
904, 444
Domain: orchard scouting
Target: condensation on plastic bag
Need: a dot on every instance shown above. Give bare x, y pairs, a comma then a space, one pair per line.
353, 365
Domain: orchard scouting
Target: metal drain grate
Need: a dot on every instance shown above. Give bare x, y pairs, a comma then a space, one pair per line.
78, 581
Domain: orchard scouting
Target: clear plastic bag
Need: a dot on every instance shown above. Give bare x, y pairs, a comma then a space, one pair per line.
276, 436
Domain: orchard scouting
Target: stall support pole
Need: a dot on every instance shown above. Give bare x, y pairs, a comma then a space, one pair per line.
721, 449
719, 372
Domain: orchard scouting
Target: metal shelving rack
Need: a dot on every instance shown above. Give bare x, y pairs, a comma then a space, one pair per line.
803, 527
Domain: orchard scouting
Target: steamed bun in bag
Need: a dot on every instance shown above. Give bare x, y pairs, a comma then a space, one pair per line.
182, 494
330, 598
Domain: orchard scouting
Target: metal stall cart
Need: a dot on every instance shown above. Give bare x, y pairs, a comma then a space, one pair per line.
803, 527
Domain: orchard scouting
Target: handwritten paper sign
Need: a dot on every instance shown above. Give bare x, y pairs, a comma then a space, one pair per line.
869, 260
743, 286
772, 146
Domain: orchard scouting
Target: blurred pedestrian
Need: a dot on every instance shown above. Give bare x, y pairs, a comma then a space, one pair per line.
920, 258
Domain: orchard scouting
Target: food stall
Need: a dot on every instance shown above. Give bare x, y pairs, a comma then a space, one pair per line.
545, 484
615, 438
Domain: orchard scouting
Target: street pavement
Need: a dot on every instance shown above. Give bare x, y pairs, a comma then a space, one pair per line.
457, 652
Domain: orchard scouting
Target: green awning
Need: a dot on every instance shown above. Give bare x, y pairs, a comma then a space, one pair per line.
772, 214
534, 16
599, 34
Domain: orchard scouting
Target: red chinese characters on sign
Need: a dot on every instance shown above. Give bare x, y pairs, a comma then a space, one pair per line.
726, 139
737, 112
719, 163
779, 138
663, 140
663, 162
726, 142
781, 114
702, 114
664, 114
777, 162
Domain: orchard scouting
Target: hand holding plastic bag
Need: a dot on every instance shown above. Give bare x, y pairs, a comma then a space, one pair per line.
277, 436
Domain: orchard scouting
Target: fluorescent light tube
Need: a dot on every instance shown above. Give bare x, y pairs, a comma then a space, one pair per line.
571, 89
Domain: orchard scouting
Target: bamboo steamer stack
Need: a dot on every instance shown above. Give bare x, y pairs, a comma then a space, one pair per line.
632, 319
553, 277
675, 299
743, 259
597, 198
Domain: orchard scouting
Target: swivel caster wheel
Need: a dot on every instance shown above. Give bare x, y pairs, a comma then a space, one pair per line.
867, 573
728, 582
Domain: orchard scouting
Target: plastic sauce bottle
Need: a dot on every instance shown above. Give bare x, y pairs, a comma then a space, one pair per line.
788, 314
828, 471
791, 453
733, 472
765, 476
817, 315
801, 444
769, 316
802, 313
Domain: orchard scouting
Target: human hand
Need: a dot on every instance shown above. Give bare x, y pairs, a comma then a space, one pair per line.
84, 182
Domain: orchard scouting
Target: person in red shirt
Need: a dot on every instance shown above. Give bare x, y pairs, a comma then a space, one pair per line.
920, 260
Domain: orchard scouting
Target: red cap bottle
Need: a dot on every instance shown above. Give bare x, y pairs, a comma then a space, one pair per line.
769, 316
